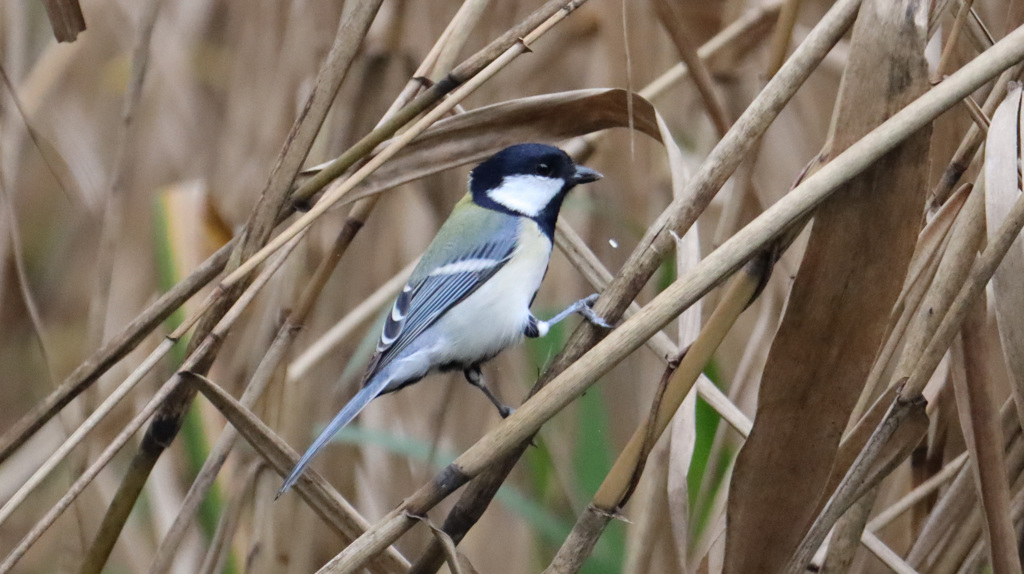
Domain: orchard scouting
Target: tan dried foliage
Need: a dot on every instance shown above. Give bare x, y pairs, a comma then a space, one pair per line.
133, 149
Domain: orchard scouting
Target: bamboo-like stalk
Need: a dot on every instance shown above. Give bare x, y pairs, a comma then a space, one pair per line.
166, 390
714, 171
951, 41
142, 464
974, 561
911, 391
953, 269
93, 420
918, 494
978, 28
783, 35
885, 554
458, 76
872, 464
621, 480
623, 340
217, 555
478, 495
956, 502
650, 512
743, 27
958, 545
979, 277
325, 501
335, 194
976, 113
254, 391
87, 426
673, 20
933, 243
971, 142
44, 523
848, 535
167, 421
113, 351
456, 36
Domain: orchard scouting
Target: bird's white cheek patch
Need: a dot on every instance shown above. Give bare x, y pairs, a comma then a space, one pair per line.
526, 194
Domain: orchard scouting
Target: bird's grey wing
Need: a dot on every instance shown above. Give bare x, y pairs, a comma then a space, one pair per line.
423, 302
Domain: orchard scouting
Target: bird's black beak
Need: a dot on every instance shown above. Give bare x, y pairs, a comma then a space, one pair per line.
586, 175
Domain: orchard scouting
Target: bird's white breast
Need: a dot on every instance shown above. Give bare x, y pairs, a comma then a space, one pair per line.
496, 314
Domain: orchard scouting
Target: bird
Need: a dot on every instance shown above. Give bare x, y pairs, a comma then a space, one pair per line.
469, 297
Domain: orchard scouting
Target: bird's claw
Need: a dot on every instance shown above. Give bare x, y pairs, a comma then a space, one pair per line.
587, 310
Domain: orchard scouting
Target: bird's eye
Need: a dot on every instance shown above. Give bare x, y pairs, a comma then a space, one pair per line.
543, 169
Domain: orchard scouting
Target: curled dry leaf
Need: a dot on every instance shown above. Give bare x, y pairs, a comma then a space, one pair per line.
475, 135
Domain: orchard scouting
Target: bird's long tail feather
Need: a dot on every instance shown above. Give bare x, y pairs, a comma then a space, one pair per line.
349, 412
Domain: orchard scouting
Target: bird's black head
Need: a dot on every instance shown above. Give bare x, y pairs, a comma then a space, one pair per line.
529, 180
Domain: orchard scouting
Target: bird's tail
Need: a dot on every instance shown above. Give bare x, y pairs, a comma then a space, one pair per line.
349, 412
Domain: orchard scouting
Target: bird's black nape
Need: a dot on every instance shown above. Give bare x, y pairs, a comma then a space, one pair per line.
528, 159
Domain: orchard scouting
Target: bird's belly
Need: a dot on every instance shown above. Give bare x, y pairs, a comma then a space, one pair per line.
495, 315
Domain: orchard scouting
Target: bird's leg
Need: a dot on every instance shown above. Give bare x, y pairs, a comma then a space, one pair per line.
538, 328
476, 378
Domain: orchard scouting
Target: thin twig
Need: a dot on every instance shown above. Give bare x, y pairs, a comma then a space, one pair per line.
673, 20
951, 41
971, 142
82, 431
87, 477
113, 351
783, 35
110, 226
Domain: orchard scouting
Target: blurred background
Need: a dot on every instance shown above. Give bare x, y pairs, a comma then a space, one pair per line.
225, 81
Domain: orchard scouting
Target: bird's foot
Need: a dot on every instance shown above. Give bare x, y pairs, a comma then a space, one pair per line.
587, 310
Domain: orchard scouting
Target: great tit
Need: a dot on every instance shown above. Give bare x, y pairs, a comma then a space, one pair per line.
469, 297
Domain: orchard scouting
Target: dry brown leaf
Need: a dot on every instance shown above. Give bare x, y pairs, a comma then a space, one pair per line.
475, 135
975, 392
1002, 188
978, 409
851, 275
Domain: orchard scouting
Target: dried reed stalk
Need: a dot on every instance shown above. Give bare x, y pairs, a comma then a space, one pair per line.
732, 254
